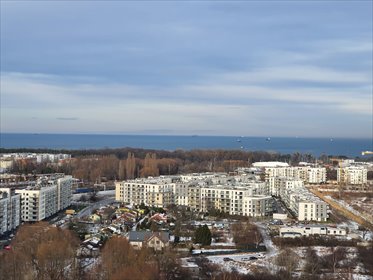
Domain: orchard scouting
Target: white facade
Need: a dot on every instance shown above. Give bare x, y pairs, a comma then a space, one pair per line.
38, 157
6, 164
352, 175
181, 194
311, 175
277, 185
312, 211
9, 210
201, 192
262, 164
304, 205
311, 230
257, 206
156, 192
4, 201
316, 175
46, 198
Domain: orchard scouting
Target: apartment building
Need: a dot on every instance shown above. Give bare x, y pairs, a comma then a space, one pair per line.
201, 193
224, 198
157, 192
38, 157
50, 194
316, 175
304, 205
194, 197
277, 185
257, 205
181, 194
9, 210
310, 175
6, 164
352, 175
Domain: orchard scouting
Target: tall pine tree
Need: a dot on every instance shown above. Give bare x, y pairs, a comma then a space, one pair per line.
203, 235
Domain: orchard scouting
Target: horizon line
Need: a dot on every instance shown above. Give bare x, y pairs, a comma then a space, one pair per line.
184, 135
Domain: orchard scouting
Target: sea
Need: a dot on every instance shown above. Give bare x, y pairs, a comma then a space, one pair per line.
284, 145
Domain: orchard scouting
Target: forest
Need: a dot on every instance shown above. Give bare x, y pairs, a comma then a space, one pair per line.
127, 163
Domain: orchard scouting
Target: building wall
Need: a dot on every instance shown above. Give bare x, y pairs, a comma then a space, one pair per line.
40, 202
4, 201
198, 195
312, 211
311, 230
352, 175
9, 210
156, 243
311, 175
257, 206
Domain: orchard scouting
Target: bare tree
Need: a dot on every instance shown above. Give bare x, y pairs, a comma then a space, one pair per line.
245, 233
40, 251
313, 265
130, 166
288, 260
336, 255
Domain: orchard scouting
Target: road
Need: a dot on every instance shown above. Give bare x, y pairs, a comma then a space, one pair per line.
89, 209
134, 228
271, 249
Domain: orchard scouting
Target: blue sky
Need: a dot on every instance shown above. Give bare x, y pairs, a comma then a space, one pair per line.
253, 68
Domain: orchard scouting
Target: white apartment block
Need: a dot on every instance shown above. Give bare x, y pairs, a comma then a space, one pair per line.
304, 205
49, 195
6, 164
9, 210
38, 157
181, 194
157, 192
316, 175
312, 210
277, 185
266, 164
257, 206
201, 192
51, 157
4, 201
311, 175
352, 175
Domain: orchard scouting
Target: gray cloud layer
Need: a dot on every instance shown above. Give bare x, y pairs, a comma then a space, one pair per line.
221, 68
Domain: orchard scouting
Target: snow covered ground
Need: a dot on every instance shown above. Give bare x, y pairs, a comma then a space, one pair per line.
349, 208
361, 277
239, 262
353, 230
272, 250
106, 193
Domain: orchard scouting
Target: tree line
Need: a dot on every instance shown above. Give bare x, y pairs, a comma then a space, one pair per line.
128, 163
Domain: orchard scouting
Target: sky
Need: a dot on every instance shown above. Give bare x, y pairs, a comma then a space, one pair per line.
250, 68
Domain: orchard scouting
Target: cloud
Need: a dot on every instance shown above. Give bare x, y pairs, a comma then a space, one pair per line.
243, 88
227, 104
254, 68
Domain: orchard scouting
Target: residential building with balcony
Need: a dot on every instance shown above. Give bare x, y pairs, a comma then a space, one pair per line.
352, 175
9, 210
50, 194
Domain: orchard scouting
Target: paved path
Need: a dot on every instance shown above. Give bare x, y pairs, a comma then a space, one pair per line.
89, 209
271, 249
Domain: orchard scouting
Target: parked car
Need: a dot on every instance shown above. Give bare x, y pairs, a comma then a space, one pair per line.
245, 259
253, 258
227, 259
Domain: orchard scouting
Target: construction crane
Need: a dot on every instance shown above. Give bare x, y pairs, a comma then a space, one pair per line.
366, 153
